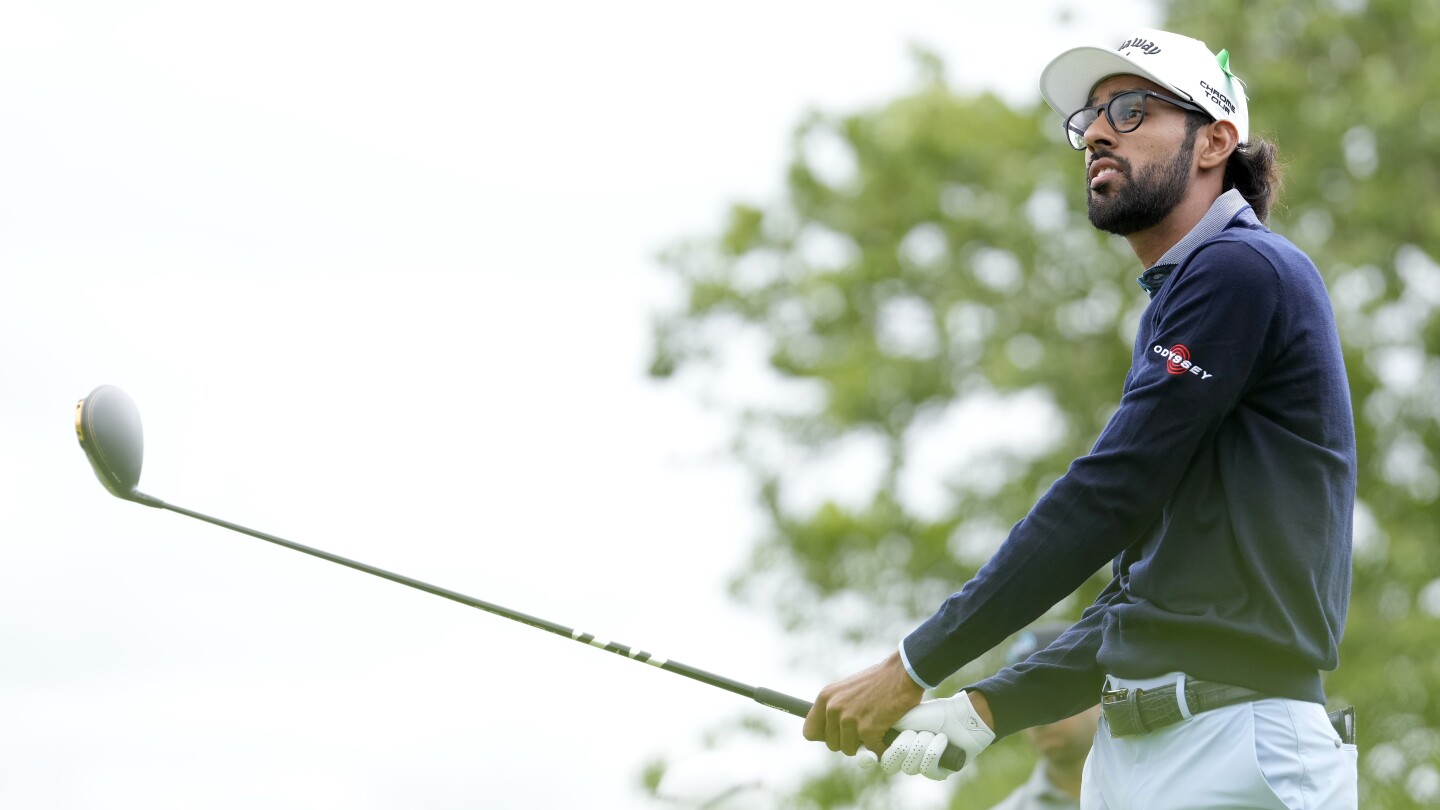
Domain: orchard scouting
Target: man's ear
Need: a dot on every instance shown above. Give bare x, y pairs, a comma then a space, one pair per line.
1219, 141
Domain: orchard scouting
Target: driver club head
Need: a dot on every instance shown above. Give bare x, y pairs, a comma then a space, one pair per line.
107, 423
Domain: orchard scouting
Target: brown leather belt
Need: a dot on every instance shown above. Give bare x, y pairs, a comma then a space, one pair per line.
1140, 711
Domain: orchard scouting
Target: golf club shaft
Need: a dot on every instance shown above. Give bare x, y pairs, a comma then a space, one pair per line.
767, 697
953, 758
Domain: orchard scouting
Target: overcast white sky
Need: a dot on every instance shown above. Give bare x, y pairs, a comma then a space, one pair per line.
379, 277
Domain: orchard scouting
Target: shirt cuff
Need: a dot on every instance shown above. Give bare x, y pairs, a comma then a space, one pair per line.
905, 659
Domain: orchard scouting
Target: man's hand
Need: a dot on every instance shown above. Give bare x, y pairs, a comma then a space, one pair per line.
861, 708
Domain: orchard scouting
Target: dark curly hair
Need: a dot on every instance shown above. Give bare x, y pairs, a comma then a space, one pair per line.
1254, 168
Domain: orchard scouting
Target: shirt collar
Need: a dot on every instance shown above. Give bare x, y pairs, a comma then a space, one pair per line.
1224, 209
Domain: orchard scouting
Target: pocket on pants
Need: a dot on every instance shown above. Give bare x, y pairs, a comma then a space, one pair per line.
1300, 757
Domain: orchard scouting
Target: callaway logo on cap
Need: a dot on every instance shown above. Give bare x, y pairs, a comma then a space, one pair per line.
1181, 65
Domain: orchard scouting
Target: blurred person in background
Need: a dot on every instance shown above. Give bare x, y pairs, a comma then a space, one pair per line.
1062, 745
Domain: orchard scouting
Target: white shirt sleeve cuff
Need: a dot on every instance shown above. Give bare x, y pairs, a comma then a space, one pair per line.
905, 659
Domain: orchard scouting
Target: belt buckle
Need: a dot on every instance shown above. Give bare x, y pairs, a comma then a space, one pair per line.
1121, 708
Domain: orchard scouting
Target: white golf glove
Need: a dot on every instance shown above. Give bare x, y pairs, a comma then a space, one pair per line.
928, 730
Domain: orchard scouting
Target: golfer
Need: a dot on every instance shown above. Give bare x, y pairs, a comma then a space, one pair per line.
1221, 491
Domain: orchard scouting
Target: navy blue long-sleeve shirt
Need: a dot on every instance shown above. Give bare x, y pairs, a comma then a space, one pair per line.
1221, 492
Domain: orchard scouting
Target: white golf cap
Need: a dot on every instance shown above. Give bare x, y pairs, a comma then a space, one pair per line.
1182, 65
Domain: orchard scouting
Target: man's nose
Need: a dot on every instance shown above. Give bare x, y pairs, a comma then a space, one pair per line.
1100, 133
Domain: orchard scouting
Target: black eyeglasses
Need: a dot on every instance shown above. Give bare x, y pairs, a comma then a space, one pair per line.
1125, 111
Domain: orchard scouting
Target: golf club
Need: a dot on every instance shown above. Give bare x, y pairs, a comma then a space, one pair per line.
107, 423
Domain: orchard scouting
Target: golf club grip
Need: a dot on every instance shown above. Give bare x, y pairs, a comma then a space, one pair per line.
953, 759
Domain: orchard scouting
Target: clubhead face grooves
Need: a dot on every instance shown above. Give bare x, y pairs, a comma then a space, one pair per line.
107, 423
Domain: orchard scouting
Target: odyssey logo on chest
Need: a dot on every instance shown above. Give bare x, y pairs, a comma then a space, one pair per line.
1177, 360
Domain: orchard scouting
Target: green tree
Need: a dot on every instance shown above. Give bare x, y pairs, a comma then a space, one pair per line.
931, 256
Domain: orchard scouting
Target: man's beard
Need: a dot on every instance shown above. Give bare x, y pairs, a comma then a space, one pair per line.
1142, 201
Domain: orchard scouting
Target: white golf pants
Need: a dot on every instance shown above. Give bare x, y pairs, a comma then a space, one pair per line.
1271, 754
